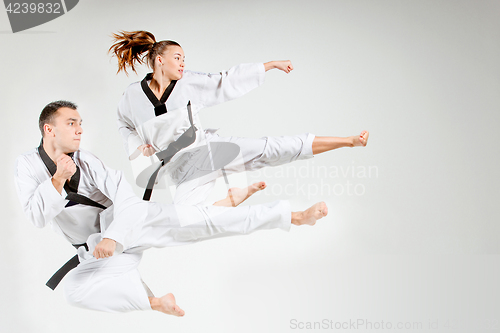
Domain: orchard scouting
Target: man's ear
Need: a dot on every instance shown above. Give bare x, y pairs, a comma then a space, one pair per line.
48, 130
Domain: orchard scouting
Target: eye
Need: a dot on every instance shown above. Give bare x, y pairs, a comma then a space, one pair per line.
71, 124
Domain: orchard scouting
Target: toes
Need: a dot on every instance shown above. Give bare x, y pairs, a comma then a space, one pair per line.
323, 208
258, 186
178, 311
363, 137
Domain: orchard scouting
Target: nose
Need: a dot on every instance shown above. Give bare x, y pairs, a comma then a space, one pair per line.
182, 64
79, 129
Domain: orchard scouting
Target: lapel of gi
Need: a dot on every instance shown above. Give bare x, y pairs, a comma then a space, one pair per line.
71, 186
160, 106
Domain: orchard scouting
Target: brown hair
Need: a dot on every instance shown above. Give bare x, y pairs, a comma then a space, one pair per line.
49, 113
133, 47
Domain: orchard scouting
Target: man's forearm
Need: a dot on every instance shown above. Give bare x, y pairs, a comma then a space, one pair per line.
58, 184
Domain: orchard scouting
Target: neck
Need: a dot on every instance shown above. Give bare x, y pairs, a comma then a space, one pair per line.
53, 152
159, 82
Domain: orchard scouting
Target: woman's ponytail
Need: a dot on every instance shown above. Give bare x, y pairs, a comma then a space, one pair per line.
131, 47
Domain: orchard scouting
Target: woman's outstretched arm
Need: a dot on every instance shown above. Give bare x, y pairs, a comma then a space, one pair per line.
283, 65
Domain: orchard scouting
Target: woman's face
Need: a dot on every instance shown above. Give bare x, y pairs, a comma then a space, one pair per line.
171, 62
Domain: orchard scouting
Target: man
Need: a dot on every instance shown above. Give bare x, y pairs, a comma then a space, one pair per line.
95, 209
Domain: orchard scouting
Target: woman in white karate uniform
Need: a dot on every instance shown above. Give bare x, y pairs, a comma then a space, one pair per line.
153, 113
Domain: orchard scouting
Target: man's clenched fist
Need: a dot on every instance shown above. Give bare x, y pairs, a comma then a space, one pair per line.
105, 248
65, 169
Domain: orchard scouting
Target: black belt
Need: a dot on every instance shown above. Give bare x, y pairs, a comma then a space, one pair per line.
69, 265
186, 139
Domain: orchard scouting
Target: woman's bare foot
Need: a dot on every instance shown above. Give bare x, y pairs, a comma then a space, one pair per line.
166, 304
310, 215
360, 140
237, 195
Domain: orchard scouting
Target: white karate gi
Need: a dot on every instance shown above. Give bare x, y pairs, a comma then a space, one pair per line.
113, 284
138, 125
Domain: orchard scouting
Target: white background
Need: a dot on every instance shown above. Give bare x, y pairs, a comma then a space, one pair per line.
419, 243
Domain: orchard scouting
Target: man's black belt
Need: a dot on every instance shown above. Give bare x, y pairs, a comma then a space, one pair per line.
69, 265
71, 188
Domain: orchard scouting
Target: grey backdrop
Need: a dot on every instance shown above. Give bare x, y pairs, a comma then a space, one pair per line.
412, 237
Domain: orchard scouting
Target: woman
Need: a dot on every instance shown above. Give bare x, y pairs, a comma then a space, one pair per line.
163, 107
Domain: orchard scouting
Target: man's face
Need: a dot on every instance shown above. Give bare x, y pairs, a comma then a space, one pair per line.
66, 130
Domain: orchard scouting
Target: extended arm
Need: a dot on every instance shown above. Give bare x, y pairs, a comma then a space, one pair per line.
282, 65
221, 87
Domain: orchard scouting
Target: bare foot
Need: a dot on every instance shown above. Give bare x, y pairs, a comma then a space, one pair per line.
310, 215
166, 304
237, 195
360, 140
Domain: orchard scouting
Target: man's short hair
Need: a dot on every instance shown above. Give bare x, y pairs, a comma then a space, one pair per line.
49, 112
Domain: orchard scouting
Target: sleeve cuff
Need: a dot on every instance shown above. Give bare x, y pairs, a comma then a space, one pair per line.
287, 215
307, 146
261, 73
133, 142
50, 193
119, 239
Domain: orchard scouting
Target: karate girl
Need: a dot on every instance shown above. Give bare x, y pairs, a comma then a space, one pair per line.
153, 113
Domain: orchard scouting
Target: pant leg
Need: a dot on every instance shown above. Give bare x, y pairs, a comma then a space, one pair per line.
196, 191
111, 284
254, 154
169, 225
229, 221
268, 151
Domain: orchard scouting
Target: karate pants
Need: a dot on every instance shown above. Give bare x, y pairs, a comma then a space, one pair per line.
114, 284
254, 154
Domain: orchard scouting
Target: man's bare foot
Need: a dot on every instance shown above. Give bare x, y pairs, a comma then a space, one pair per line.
310, 215
360, 140
166, 304
237, 195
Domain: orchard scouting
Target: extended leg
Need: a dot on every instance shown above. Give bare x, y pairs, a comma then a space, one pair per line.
172, 225
114, 284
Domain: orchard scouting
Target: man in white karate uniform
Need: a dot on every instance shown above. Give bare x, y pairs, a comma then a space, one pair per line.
95, 209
